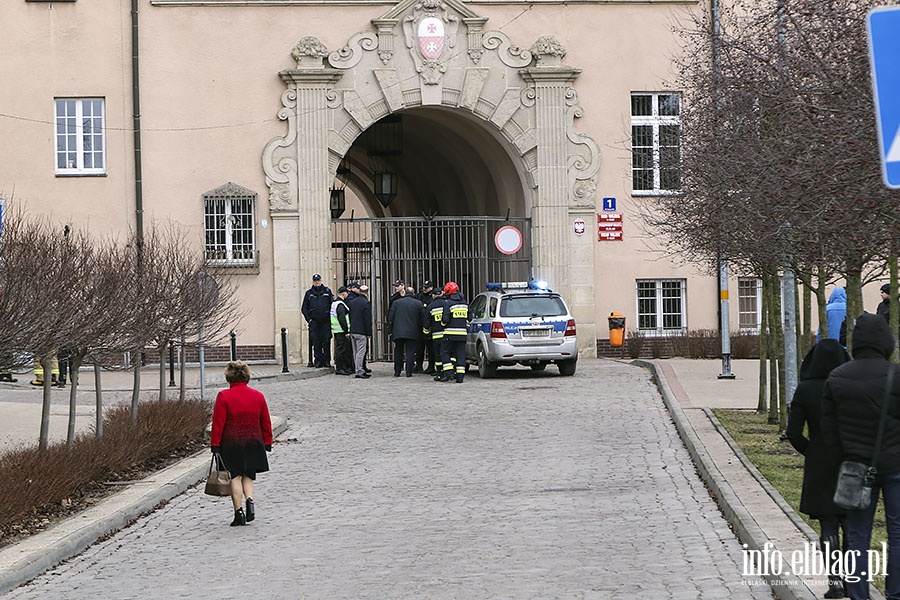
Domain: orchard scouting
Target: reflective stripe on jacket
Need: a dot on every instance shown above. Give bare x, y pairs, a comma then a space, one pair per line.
455, 317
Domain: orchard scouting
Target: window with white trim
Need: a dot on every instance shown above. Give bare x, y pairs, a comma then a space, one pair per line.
229, 218
80, 136
661, 306
749, 304
656, 143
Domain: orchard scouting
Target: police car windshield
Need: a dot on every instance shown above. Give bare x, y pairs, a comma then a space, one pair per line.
532, 306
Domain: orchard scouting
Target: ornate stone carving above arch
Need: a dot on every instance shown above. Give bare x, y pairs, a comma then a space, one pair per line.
437, 53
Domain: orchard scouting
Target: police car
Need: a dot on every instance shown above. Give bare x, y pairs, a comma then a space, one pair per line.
520, 323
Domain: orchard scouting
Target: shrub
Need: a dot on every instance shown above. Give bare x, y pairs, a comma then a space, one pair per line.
42, 485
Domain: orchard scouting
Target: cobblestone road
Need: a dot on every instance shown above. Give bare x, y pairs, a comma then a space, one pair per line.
525, 486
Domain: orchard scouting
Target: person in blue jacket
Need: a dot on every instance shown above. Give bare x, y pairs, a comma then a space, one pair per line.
836, 314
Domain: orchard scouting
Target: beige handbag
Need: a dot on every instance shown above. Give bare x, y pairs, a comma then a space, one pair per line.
218, 482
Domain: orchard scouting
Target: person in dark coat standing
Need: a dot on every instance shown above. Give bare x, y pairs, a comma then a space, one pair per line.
820, 461
425, 349
884, 307
241, 434
360, 327
851, 410
316, 309
405, 324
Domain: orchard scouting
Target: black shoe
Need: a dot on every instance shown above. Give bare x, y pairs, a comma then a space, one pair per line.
363, 376
239, 518
396, 374
429, 371
251, 510
417, 369
409, 374
367, 369
459, 378
310, 365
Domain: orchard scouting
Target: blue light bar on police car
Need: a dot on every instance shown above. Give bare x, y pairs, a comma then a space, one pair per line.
542, 286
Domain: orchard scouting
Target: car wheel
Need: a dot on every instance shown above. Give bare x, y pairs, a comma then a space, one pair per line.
538, 366
567, 367
486, 369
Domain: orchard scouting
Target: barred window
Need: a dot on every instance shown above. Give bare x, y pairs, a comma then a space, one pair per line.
229, 216
749, 303
80, 136
656, 143
661, 305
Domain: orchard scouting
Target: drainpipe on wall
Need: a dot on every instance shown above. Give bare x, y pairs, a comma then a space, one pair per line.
136, 104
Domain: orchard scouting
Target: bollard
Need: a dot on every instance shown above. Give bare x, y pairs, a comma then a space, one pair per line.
284, 354
233, 345
171, 363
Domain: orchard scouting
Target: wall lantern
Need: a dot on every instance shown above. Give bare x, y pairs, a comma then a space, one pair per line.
385, 187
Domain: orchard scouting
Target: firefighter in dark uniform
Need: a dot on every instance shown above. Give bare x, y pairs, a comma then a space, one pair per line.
436, 329
455, 320
425, 348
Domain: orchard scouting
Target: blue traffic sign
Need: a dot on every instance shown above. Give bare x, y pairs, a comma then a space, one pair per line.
884, 54
609, 204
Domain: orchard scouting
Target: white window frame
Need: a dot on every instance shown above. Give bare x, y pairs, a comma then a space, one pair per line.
229, 216
659, 297
78, 131
749, 303
655, 120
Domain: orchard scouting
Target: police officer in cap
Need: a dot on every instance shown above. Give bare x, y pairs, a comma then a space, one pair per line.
316, 309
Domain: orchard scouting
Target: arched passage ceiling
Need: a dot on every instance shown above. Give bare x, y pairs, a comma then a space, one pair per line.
451, 165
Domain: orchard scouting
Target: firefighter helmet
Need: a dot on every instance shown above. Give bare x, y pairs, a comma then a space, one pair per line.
451, 287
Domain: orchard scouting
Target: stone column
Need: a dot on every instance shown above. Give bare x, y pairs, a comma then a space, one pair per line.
300, 179
556, 256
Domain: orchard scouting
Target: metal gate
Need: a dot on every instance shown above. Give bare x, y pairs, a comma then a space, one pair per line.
377, 252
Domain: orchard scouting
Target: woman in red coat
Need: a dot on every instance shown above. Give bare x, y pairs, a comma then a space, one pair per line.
241, 434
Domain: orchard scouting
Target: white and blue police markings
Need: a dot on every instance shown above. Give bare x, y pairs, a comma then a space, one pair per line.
884, 55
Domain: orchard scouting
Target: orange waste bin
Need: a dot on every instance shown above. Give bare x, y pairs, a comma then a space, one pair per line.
616, 329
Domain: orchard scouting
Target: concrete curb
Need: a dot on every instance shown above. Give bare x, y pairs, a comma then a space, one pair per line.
25, 560
748, 530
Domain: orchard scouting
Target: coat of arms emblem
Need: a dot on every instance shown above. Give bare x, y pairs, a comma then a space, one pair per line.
431, 38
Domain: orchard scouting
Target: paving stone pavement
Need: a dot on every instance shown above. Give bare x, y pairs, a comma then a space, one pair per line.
530, 485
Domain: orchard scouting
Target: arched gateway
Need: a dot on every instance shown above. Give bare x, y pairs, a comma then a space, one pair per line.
435, 55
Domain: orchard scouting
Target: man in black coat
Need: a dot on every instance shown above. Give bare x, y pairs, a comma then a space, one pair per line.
851, 411
820, 460
405, 325
424, 348
316, 309
360, 327
884, 307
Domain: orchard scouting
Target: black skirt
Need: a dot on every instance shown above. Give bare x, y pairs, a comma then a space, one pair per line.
246, 460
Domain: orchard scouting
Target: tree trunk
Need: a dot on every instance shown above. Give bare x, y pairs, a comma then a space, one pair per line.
806, 334
75, 361
136, 387
44, 440
854, 301
162, 370
771, 346
895, 310
763, 341
98, 395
